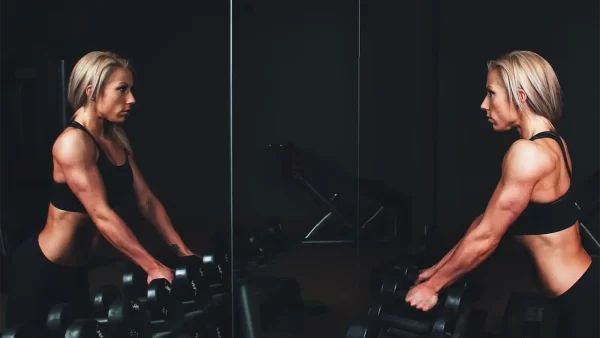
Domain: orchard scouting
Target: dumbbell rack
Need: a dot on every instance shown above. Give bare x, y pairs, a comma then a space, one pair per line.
400, 275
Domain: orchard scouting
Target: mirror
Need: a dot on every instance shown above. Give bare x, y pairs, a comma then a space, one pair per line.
178, 129
397, 144
295, 166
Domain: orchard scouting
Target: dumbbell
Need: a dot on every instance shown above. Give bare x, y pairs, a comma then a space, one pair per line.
450, 300
404, 274
218, 267
139, 321
431, 325
191, 285
403, 270
113, 317
88, 328
120, 316
364, 328
471, 289
137, 317
64, 321
156, 296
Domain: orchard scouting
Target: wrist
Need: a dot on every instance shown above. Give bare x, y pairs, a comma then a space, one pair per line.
433, 284
151, 264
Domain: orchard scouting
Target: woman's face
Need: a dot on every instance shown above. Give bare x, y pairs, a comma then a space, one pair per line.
501, 112
115, 98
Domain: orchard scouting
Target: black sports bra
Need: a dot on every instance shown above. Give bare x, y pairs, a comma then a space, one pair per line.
545, 218
118, 182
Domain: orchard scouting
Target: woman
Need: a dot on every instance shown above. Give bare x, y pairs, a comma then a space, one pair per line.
532, 201
94, 175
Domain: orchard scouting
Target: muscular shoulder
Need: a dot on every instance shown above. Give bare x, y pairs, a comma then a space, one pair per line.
525, 160
74, 146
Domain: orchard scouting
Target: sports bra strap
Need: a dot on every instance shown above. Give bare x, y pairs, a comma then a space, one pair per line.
78, 125
554, 136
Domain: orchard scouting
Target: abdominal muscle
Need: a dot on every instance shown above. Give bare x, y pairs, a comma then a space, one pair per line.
68, 237
559, 258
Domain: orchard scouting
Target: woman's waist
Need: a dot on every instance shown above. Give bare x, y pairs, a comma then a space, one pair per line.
68, 245
558, 271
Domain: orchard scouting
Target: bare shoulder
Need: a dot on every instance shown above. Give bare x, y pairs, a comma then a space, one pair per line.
74, 146
526, 160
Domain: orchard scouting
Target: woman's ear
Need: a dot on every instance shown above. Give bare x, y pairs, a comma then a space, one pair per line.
88, 92
522, 96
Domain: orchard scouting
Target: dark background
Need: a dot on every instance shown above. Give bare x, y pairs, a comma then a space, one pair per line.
405, 113
179, 127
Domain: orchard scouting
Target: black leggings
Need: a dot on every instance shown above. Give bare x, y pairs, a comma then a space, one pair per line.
579, 307
37, 284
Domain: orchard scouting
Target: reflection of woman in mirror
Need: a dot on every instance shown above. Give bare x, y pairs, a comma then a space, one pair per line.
94, 175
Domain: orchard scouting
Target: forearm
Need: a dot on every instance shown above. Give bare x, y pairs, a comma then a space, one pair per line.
445, 259
471, 251
120, 236
156, 214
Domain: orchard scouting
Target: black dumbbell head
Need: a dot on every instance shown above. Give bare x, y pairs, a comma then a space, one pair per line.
104, 299
135, 281
86, 328
375, 311
190, 282
160, 299
389, 287
453, 300
441, 328
59, 318
363, 328
128, 318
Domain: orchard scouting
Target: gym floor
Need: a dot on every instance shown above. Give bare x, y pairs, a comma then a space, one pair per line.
331, 276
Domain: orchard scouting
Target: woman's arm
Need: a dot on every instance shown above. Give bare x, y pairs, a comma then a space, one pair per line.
76, 155
524, 165
445, 259
427, 273
154, 211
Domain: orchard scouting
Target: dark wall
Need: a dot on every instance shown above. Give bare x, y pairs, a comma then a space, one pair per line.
423, 73
179, 127
472, 32
295, 80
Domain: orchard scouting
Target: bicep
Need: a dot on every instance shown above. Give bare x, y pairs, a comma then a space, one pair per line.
507, 203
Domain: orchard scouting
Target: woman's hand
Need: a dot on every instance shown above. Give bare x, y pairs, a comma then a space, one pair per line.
422, 297
159, 272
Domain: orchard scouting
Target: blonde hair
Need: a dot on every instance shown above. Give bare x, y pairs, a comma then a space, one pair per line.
534, 75
94, 69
